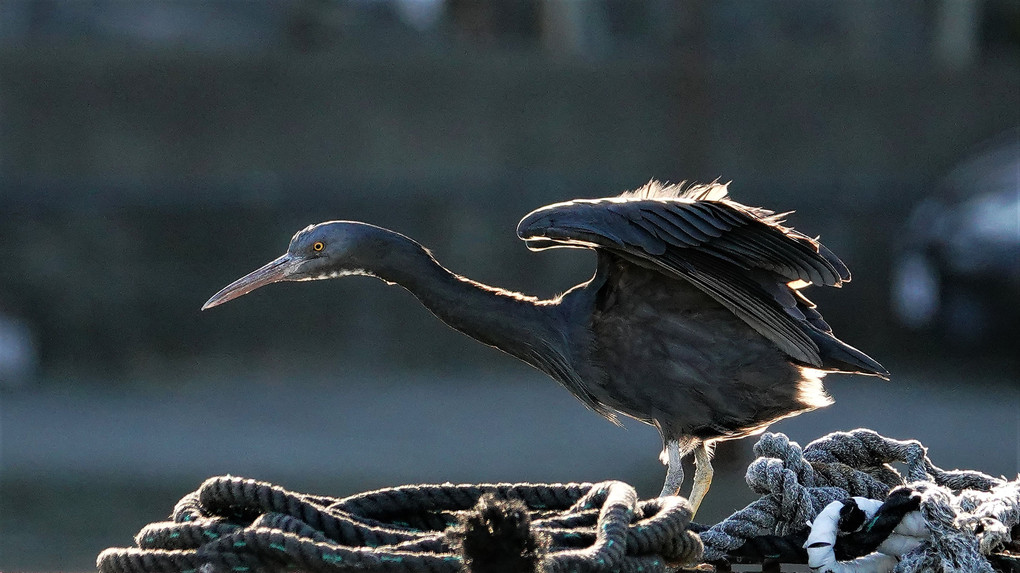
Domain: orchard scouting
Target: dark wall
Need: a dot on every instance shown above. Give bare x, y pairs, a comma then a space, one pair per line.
138, 182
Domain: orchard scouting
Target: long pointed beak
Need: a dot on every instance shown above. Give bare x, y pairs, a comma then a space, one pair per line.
273, 272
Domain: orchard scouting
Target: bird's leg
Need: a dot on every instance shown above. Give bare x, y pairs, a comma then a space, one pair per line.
703, 473
674, 469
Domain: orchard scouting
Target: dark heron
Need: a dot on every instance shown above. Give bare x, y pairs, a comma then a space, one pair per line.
694, 321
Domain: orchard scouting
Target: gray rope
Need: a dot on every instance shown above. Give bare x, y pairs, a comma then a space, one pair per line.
971, 514
968, 525
796, 484
234, 525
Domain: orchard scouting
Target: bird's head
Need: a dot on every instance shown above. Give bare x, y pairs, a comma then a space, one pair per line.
322, 251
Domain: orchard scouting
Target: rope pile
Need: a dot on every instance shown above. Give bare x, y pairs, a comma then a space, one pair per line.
240, 525
838, 505
961, 520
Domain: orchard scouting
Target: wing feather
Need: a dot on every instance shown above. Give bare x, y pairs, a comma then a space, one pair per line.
682, 215
746, 299
741, 256
662, 230
695, 215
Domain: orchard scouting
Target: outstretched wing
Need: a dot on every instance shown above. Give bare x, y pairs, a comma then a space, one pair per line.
741, 256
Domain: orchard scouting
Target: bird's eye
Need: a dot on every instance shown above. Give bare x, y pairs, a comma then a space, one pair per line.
318, 246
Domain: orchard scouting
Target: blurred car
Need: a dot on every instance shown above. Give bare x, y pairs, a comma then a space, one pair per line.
957, 274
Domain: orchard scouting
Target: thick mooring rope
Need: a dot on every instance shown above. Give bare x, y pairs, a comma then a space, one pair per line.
235, 525
925, 520
971, 516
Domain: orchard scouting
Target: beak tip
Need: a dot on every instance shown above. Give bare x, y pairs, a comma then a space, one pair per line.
272, 272
216, 300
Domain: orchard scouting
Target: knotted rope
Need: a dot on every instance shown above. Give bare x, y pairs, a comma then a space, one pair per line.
239, 525
969, 515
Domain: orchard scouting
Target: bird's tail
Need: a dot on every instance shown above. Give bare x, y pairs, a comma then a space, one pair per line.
838, 356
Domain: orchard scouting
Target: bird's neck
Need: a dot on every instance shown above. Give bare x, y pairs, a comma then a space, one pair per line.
523, 326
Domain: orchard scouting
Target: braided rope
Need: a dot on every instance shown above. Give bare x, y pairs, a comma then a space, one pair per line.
240, 525
971, 515
234, 525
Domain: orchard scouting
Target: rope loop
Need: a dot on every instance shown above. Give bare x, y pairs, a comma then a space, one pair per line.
837, 504
237, 525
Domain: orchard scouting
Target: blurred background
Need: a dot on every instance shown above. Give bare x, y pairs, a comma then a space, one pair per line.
152, 152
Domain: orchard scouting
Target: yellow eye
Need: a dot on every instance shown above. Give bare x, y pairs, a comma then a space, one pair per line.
318, 246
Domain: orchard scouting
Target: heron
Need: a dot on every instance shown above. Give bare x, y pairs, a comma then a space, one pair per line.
694, 321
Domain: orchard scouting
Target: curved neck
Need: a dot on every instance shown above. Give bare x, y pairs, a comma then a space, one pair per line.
522, 326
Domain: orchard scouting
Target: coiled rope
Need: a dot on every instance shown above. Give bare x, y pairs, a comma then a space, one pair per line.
952, 520
240, 525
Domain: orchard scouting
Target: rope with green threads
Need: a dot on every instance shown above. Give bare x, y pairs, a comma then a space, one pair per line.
236, 525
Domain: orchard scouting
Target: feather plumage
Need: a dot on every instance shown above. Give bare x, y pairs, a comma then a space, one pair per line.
744, 257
